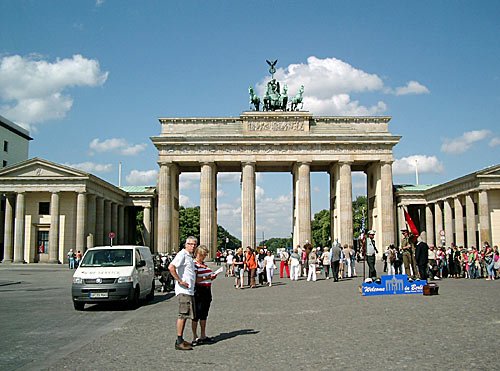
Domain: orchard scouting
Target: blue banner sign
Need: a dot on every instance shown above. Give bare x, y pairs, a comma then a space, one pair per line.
393, 285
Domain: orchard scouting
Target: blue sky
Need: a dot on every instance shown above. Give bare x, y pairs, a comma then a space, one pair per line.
90, 78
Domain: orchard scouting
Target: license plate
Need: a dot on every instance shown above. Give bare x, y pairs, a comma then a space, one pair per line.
98, 295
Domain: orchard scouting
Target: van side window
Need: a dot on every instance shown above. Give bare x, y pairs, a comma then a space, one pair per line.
137, 256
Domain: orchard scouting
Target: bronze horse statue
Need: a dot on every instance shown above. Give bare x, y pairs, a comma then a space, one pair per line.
298, 99
254, 99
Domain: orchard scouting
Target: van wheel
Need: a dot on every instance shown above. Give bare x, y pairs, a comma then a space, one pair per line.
133, 301
78, 305
151, 295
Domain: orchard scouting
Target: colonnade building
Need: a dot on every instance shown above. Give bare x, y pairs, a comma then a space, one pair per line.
48, 208
464, 211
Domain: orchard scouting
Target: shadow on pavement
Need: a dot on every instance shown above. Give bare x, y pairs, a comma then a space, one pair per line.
228, 335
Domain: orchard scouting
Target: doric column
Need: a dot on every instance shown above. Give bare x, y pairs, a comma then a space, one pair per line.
208, 219
19, 229
248, 205
121, 225
459, 222
401, 222
345, 203
164, 208
107, 222
448, 222
303, 203
484, 218
114, 219
54, 228
99, 226
470, 220
146, 220
8, 246
438, 219
81, 209
386, 203
91, 220
429, 225
333, 170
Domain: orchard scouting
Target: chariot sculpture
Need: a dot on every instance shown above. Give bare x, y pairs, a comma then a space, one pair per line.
274, 98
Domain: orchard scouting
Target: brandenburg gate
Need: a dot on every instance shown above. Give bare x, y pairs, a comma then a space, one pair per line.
277, 141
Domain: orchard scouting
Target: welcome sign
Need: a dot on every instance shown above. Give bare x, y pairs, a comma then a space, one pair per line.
393, 285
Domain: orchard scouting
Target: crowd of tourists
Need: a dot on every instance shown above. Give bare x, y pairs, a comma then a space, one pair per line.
448, 262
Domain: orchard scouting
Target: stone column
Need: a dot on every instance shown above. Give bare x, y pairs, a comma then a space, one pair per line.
91, 220
19, 229
429, 225
470, 220
386, 203
208, 220
248, 205
107, 222
54, 228
459, 222
81, 209
401, 222
121, 225
438, 219
484, 218
146, 220
345, 209
114, 219
333, 201
99, 227
448, 222
164, 208
304, 202
8, 247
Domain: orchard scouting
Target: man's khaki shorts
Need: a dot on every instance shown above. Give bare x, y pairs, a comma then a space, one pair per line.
186, 306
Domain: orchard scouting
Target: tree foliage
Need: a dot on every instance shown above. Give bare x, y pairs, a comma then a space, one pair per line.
359, 206
275, 243
320, 228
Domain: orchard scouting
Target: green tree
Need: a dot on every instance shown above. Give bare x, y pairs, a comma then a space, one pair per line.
222, 236
359, 205
275, 243
320, 228
189, 223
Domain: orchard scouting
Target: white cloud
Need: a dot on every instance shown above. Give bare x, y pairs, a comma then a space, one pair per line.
413, 87
425, 164
329, 84
139, 177
463, 143
98, 3
220, 193
189, 180
494, 142
228, 177
117, 145
91, 167
33, 90
185, 201
316, 189
259, 192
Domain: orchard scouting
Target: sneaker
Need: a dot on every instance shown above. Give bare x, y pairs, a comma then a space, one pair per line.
183, 346
205, 340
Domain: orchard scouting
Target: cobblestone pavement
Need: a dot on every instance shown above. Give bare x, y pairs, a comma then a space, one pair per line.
304, 325
314, 325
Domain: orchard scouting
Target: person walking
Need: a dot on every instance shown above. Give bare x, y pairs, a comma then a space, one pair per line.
250, 266
294, 265
229, 264
71, 259
335, 254
371, 251
202, 296
182, 270
269, 267
325, 258
239, 268
347, 260
312, 259
284, 257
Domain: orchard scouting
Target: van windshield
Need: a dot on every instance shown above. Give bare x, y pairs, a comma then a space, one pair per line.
107, 258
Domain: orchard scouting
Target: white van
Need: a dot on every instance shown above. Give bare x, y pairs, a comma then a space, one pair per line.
114, 273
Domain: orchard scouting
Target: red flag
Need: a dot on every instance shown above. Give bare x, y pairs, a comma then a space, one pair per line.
410, 223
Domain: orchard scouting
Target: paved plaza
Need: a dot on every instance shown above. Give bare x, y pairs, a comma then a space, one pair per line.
301, 325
